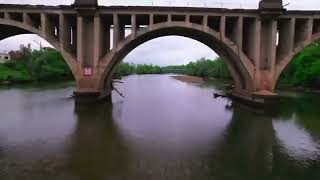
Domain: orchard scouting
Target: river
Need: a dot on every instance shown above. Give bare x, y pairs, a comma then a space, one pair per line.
163, 129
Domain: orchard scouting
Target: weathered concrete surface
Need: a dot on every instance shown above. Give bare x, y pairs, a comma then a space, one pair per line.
270, 4
247, 42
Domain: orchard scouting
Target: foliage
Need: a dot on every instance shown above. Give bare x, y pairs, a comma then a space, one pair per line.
202, 68
124, 69
147, 69
16, 74
304, 69
47, 64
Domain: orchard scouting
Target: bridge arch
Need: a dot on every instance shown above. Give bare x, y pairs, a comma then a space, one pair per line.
284, 62
238, 64
12, 28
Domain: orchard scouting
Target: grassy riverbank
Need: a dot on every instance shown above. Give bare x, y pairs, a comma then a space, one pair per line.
44, 65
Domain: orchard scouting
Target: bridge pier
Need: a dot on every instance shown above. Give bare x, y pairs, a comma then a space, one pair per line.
86, 94
91, 97
89, 88
260, 98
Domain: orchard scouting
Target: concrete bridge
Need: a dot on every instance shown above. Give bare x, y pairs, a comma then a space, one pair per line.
255, 44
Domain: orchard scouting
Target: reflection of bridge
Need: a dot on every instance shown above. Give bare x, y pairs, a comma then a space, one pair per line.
246, 39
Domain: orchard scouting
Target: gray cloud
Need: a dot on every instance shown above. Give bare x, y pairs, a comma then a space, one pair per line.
162, 51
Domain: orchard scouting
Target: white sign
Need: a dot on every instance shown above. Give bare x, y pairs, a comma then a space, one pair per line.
87, 71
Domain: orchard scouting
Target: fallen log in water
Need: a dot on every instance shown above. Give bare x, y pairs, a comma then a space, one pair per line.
216, 95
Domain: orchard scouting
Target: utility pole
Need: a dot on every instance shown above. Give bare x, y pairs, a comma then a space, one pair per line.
39, 43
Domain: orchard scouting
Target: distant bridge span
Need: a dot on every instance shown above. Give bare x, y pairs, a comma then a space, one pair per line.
246, 39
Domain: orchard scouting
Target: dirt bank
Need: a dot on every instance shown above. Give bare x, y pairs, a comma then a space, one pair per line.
189, 79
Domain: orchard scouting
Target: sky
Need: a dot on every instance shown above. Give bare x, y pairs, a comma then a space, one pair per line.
170, 50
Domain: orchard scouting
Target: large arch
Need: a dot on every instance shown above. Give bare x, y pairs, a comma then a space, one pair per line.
283, 63
238, 63
11, 28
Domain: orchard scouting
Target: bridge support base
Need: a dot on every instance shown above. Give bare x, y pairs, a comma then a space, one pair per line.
259, 98
91, 97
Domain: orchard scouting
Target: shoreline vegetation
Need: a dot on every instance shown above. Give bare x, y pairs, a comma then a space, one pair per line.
47, 65
29, 66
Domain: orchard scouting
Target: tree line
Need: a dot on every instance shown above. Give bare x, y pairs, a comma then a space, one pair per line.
203, 68
35, 65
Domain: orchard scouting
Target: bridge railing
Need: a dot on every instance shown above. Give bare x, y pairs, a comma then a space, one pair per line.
231, 4
182, 3
241, 4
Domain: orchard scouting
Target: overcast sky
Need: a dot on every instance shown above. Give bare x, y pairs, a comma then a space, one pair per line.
161, 51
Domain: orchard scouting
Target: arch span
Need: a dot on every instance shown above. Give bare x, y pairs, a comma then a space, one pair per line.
12, 28
239, 65
283, 63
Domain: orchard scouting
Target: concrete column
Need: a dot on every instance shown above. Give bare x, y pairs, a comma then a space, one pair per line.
169, 18
116, 30
256, 53
255, 46
286, 38
309, 28
7, 15
133, 26
205, 23
239, 34
222, 28
272, 47
303, 31
44, 24
80, 40
188, 18
151, 22
26, 19
65, 34
97, 40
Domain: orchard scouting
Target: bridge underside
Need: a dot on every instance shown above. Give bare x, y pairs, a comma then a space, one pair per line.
9, 31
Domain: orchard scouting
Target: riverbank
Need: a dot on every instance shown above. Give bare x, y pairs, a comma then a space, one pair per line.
189, 79
297, 88
46, 65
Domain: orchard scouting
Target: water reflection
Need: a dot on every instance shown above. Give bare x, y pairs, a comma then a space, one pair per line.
246, 150
97, 150
163, 129
100, 149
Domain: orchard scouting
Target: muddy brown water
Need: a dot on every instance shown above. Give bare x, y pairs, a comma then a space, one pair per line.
164, 129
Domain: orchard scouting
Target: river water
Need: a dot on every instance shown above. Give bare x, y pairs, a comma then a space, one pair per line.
164, 129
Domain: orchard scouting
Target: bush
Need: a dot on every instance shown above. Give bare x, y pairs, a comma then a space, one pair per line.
304, 69
38, 65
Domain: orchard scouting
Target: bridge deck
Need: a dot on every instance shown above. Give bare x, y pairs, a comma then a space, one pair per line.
153, 8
